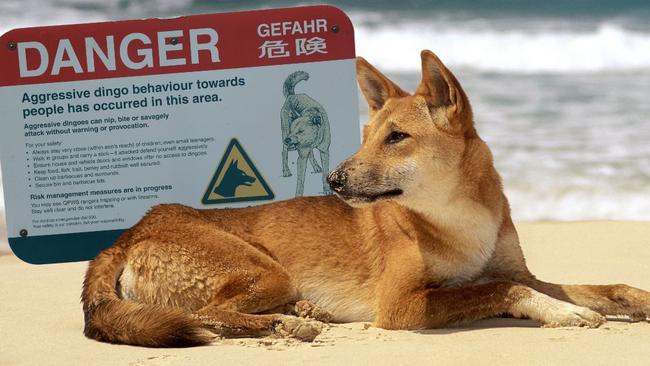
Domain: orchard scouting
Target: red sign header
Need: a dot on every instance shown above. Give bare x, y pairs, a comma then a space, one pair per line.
184, 44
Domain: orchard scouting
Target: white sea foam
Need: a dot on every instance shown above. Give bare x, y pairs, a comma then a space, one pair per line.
576, 204
607, 47
30, 13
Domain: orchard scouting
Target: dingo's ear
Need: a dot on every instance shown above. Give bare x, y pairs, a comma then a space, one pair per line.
376, 87
441, 88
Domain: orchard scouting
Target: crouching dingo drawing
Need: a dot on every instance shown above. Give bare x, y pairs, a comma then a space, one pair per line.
420, 236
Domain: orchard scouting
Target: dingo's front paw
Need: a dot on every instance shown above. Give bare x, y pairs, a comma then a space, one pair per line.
569, 315
303, 329
553, 313
626, 300
286, 172
306, 309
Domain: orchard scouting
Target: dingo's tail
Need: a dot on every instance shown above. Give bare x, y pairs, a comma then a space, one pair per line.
108, 318
292, 80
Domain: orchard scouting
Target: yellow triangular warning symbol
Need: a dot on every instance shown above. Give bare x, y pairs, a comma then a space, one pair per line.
236, 179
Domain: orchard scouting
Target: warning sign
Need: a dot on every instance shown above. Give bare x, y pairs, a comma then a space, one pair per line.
102, 121
236, 179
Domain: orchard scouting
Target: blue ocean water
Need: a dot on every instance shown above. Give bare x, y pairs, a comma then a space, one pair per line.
560, 89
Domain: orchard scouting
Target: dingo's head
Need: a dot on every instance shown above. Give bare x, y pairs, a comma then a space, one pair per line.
417, 149
305, 131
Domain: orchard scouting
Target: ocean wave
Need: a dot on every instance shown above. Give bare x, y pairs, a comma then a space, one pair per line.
30, 13
608, 47
392, 40
577, 205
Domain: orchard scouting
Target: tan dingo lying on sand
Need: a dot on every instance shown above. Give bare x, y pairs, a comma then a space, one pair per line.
420, 236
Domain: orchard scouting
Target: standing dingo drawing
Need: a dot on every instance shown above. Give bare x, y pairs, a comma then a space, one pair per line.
305, 128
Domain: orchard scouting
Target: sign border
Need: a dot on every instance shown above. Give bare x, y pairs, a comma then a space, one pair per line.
63, 248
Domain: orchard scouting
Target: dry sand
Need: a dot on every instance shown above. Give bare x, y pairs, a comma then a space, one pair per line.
41, 320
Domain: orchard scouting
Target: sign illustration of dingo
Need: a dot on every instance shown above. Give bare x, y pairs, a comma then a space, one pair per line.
233, 178
305, 128
236, 179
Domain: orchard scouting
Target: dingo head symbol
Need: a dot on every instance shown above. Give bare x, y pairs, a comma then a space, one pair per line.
233, 178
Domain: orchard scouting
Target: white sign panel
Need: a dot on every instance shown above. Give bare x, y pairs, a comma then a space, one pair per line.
102, 121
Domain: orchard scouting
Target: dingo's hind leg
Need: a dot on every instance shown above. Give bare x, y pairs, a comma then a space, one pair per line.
234, 309
217, 277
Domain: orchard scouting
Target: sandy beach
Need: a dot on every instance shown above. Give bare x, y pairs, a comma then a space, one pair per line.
41, 320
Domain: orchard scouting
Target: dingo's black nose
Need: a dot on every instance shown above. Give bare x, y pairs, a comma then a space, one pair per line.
287, 141
337, 179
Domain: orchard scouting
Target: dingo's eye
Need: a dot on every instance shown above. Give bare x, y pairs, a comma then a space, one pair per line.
396, 137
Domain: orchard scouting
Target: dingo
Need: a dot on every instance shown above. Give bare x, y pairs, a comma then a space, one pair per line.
420, 236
